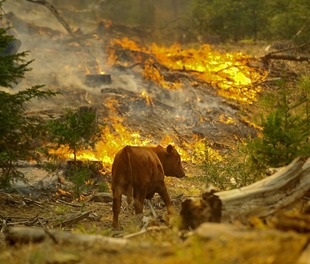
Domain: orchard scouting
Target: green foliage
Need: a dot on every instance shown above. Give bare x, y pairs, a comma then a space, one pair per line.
233, 171
18, 132
79, 175
134, 12
75, 129
244, 19
84, 175
12, 67
286, 129
214, 20
260, 19
289, 20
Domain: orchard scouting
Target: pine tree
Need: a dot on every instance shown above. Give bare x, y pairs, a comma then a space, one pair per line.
17, 131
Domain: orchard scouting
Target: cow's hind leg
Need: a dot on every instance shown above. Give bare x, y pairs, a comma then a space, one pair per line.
117, 200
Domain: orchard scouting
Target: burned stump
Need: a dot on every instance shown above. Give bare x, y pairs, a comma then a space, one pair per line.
196, 212
97, 79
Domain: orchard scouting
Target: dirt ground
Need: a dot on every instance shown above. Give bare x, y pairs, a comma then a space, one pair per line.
161, 240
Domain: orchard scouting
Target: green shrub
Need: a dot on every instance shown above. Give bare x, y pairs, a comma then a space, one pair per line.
84, 176
76, 129
233, 171
286, 129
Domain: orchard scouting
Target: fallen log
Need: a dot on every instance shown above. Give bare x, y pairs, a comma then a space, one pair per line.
25, 235
260, 199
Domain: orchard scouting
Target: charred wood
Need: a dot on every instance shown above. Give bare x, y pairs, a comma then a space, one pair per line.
195, 212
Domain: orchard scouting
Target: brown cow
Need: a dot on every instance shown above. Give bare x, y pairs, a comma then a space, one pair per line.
139, 172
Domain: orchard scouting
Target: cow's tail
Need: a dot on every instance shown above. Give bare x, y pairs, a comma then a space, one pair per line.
129, 174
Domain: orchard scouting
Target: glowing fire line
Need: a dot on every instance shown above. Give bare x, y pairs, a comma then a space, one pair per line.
229, 72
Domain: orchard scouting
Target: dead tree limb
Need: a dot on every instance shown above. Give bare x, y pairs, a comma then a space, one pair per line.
260, 199
55, 13
271, 56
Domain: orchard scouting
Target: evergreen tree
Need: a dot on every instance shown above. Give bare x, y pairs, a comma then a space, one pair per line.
17, 131
75, 129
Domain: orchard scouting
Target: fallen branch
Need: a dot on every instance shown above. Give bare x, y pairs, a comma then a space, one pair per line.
151, 207
260, 199
145, 230
66, 203
74, 219
276, 56
271, 56
26, 221
30, 201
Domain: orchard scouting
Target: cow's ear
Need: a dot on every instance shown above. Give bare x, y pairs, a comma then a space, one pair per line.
170, 148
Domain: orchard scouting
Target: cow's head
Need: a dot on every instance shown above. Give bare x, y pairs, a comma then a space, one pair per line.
171, 162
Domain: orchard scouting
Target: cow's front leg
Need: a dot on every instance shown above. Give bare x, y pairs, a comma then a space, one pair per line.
139, 197
163, 192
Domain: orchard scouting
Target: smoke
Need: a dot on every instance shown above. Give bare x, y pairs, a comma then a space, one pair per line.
48, 42
60, 62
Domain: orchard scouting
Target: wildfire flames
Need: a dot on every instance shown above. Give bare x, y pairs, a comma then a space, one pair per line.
115, 136
230, 73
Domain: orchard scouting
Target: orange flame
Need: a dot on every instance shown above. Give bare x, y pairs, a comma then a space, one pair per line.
229, 72
116, 136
